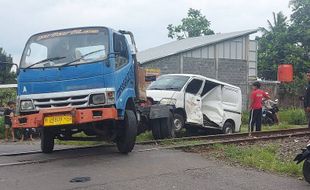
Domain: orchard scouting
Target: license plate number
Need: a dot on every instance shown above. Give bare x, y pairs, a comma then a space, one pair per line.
57, 120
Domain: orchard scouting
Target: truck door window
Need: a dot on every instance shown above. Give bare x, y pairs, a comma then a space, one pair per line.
121, 50
35, 53
194, 86
207, 87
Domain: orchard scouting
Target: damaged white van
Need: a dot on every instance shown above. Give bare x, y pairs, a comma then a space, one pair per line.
200, 102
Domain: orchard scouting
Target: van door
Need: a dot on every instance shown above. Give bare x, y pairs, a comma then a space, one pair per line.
193, 102
212, 105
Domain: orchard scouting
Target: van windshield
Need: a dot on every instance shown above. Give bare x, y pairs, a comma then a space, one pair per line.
53, 49
169, 82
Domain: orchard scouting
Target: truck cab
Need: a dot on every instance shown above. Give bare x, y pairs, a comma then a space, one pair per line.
79, 80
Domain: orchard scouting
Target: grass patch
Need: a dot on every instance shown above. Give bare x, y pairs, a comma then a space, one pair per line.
146, 136
245, 128
293, 116
261, 157
79, 143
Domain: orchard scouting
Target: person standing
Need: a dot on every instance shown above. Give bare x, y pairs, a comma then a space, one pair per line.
307, 99
256, 99
8, 114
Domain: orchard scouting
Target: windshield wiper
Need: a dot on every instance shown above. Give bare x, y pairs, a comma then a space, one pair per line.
44, 60
81, 57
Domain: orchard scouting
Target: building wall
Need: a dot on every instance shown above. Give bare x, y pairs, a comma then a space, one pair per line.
199, 66
167, 65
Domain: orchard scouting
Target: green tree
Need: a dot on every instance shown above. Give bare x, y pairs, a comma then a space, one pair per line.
6, 76
300, 27
276, 46
195, 24
286, 41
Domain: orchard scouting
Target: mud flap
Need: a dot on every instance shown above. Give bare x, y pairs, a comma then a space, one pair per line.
160, 111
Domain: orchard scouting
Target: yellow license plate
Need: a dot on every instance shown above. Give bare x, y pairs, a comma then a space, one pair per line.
57, 120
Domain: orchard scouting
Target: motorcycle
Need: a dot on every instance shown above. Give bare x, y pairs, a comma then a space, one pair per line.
304, 156
269, 114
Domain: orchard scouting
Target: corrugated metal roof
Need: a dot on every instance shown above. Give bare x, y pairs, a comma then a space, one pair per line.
187, 44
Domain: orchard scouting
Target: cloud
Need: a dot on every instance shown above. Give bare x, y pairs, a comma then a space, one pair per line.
146, 19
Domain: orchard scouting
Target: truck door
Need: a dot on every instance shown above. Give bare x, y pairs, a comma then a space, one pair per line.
193, 102
124, 72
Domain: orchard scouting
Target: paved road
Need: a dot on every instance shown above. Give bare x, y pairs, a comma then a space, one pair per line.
156, 169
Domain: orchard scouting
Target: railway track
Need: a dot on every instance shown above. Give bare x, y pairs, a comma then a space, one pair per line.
184, 142
229, 138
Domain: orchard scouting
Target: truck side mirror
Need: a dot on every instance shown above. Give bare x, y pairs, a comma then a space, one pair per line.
17, 68
3, 66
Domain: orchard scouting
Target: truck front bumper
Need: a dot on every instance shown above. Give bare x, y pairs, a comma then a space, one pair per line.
79, 116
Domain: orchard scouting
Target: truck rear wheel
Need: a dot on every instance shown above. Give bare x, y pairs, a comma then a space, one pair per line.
127, 135
47, 140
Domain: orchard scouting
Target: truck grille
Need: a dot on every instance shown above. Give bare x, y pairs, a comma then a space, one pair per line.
71, 101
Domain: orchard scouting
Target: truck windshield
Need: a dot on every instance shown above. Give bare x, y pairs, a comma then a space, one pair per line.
169, 82
57, 48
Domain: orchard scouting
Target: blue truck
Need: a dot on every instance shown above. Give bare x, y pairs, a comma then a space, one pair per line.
86, 80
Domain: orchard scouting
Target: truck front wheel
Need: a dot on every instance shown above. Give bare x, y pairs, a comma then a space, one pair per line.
127, 134
47, 140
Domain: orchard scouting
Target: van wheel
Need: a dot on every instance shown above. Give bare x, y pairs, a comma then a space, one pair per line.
228, 128
127, 135
178, 122
47, 140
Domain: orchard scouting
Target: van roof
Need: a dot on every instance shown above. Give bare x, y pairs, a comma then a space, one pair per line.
205, 78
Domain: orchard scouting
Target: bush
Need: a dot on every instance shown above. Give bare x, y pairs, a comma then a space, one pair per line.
6, 95
293, 116
245, 118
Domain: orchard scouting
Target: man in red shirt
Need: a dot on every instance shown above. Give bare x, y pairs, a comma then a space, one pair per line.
256, 106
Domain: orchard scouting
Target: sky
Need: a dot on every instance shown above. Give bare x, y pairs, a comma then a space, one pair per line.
147, 19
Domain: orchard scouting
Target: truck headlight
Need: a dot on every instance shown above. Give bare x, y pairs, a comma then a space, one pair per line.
110, 97
98, 99
26, 105
168, 101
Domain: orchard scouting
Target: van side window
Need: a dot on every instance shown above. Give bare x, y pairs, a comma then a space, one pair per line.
194, 86
120, 47
207, 87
